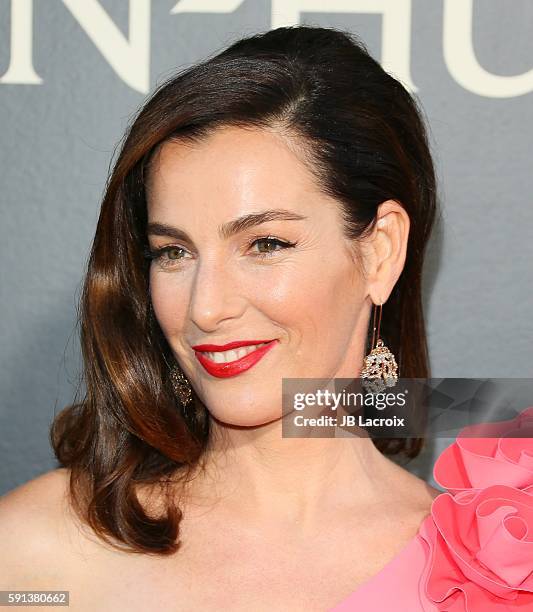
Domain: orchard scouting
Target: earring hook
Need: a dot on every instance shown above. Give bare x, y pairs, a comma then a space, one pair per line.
374, 335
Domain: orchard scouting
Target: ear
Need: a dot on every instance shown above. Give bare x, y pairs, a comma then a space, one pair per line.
385, 250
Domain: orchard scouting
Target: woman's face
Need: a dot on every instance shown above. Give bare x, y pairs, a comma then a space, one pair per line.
291, 279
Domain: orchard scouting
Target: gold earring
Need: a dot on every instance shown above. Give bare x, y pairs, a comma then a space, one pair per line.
181, 385
380, 369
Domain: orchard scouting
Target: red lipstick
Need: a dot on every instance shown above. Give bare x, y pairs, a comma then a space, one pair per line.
232, 368
215, 348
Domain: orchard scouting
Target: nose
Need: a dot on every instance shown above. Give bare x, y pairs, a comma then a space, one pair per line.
215, 296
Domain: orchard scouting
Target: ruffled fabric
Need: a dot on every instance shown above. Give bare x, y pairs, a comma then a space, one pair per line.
479, 534
477, 462
474, 551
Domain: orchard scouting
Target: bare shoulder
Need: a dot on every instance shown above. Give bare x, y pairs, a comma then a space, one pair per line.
412, 497
34, 505
422, 490
41, 489
34, 527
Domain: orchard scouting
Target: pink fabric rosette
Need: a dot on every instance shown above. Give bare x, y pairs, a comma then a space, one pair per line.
489, 453
480, 551
480, 533
474, 551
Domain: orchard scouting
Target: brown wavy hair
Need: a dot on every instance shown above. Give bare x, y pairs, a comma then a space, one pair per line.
366, 142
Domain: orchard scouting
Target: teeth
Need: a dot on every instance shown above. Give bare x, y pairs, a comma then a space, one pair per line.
233, 355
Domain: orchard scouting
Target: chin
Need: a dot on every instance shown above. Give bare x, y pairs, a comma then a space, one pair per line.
244, 417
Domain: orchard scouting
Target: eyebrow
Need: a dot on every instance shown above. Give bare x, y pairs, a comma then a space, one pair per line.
226, 230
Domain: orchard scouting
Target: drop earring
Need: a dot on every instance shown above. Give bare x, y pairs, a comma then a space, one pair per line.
182, 387
380, 369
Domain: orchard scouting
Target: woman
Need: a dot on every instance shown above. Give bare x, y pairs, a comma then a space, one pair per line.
267, 197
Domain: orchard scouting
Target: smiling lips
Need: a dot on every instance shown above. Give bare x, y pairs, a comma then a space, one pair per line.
232, 358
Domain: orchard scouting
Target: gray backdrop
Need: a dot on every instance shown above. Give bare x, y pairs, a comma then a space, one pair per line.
73, 71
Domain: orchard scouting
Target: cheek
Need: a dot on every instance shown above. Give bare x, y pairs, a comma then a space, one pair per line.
308, 301
332, 298
169, 300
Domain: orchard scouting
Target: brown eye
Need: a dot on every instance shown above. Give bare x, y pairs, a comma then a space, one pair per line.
171, 252
170, 257
267, 245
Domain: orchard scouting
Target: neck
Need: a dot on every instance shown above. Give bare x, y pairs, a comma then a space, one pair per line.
263, 479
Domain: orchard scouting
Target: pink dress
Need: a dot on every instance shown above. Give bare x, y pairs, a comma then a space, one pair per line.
474, 551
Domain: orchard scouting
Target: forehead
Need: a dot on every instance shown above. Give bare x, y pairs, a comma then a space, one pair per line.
247, 165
